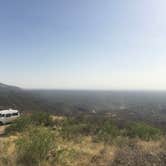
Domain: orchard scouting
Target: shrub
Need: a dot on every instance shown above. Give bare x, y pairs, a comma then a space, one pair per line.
42, 118
108, 131
19, 125
143, 131
71, 129
26, 120
34, 146
100, 130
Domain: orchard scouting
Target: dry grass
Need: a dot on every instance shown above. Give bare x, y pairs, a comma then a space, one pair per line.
55, 118
151, 146
89, 153
7, 151
142, 153
84, 151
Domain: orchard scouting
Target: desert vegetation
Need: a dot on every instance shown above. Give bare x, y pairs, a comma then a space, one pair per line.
43, 140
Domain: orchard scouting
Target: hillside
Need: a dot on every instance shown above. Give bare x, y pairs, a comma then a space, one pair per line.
123, 105
14, 97
44, 140
134, 136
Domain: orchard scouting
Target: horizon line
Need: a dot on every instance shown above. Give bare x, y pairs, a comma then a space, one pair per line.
85, 89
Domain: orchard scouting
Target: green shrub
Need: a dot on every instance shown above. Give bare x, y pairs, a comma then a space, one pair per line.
143, 131
71, 129
34, 146
100, 130
41, 118
19, 125
107, 132
24, 121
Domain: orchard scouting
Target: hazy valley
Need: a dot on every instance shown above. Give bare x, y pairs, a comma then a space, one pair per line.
148, 106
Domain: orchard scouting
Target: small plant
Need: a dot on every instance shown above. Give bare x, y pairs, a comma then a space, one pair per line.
34, 146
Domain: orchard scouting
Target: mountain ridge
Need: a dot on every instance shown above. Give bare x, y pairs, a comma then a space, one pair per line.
6, 86
18, 98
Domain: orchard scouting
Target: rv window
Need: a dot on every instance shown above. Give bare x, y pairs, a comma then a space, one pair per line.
2, 115
8, 115
15, 114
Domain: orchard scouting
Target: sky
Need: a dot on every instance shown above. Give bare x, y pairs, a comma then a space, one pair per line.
83, 44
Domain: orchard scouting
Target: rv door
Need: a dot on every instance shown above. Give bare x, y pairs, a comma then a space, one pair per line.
8, 117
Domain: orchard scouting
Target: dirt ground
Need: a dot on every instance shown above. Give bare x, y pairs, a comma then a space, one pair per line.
2, 129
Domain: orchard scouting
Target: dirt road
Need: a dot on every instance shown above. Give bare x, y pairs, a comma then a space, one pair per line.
2, 129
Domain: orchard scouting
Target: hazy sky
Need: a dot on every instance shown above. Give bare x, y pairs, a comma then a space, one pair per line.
83, 44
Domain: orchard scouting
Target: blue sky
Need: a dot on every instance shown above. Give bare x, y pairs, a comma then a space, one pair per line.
83, 44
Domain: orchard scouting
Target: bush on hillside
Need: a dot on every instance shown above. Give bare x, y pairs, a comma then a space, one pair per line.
19, 125
71, 129
42, 118
34, 146
24, 121
107, 132
143, 131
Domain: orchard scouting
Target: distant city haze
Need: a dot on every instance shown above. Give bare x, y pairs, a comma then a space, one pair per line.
83, 44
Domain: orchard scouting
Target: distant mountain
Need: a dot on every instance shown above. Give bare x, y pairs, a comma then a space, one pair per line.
57, 102
31, 100
4, 87
15, 97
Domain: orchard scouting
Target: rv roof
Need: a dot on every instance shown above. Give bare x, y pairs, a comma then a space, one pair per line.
8, 111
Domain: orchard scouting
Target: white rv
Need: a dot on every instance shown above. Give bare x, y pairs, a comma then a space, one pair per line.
8, 116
